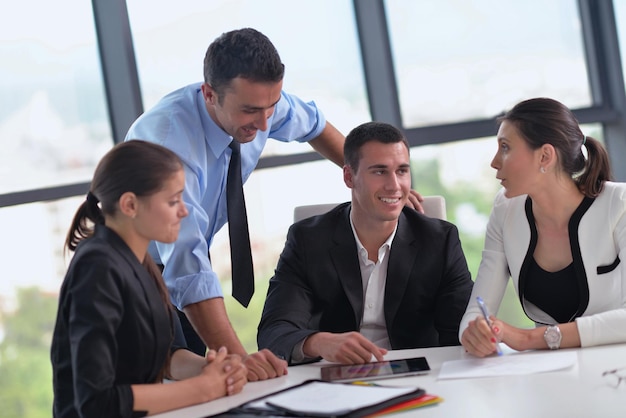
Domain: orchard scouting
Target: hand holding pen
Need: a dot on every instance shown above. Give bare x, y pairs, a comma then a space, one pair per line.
485, 312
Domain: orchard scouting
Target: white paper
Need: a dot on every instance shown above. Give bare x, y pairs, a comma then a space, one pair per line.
334, 399
508, 364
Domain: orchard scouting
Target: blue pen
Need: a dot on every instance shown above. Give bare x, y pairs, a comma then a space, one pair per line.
483, 309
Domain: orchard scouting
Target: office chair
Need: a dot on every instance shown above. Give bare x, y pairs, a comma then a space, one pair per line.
434, 206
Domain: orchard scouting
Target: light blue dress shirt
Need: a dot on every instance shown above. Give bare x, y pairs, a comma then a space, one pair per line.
181, 123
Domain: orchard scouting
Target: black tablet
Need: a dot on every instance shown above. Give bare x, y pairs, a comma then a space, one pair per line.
375, 370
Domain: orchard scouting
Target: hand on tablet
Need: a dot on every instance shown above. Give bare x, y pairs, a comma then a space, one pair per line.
345, 348
375, 370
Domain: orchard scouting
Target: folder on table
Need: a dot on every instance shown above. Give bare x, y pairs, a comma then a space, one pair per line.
315, 398
424, 400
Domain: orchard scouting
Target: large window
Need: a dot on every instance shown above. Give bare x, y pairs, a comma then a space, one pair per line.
455, 62
33, 265
620, 17
53, 121
171, 39
458, 60
54, 128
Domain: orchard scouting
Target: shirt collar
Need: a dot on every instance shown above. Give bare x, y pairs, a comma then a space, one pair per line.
386, 246
215, 137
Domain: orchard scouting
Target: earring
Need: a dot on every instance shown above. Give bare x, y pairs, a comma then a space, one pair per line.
542, 169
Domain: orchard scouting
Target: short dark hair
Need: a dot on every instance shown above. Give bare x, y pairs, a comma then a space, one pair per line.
367, 132
245, 53
546, 121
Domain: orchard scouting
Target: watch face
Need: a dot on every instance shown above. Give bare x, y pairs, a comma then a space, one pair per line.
552, 337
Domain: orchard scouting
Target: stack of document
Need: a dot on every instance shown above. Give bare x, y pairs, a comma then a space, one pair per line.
419, 402
315, 398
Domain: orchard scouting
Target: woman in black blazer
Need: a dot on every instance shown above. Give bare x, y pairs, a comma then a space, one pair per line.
115, 338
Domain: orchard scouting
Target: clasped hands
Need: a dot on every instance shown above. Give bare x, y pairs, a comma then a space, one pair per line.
229, 368
236, 371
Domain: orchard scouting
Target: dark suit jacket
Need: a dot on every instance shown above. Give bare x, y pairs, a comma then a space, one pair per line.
112, 330
317, 285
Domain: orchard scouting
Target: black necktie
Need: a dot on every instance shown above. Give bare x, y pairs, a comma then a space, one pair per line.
240, 253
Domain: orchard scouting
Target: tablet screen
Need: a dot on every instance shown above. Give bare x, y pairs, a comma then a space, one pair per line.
375, 370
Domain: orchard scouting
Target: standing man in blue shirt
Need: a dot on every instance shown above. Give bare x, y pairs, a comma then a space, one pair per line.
241, 99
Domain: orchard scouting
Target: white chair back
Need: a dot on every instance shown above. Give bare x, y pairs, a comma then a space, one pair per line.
434, 206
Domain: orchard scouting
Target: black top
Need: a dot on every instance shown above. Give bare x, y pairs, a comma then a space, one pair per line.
575, 277
555, 293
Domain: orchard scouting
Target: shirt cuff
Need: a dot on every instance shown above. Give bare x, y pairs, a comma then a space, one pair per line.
195, 288
297, 354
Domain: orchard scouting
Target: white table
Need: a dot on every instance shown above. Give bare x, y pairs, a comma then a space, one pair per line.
579, 391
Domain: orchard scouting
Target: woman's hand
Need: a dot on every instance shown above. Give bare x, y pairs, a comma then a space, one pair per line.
480, 340
224, 374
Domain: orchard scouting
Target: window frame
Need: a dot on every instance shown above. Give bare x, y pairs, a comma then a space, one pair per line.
602, 57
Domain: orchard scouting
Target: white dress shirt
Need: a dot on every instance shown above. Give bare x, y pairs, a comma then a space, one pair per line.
374, 278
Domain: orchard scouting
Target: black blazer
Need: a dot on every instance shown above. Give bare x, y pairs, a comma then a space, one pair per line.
317, 285
112, 330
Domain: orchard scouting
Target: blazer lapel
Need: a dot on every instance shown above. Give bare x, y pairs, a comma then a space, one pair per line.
346, 262
404, 249
159, 317
158, 311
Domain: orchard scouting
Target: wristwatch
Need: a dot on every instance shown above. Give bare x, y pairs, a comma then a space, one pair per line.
552, 337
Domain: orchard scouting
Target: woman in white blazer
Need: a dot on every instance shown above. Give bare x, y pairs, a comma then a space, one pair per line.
558, 230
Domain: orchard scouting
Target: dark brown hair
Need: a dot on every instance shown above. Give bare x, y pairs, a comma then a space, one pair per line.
245, 53
546, 121
135, 166
367, 132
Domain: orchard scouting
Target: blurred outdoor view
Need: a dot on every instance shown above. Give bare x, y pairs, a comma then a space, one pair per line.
465, 60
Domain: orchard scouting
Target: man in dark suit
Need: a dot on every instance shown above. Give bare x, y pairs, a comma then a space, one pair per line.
371, 274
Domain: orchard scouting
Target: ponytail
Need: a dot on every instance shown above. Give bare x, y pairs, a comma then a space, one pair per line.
597, 169
88, 214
